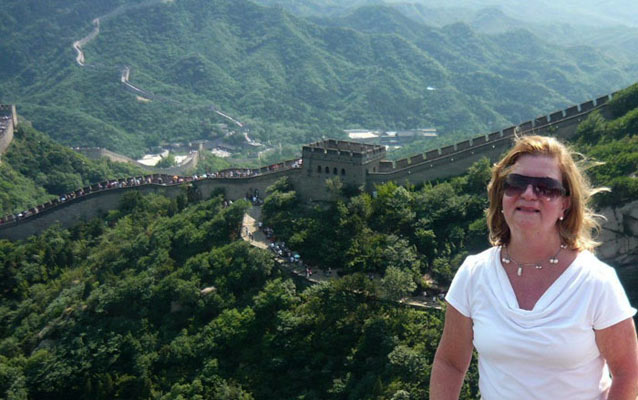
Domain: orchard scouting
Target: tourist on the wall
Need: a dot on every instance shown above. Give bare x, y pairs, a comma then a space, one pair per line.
547, 318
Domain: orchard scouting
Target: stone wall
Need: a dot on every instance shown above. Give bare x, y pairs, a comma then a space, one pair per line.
355, 164
619, 236
6, 137
619, 248
96, 153
95, 203
443, 166
7, 126
237, 188
79, 209
454, 160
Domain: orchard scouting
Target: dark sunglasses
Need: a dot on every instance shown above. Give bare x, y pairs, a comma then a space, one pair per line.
548, 188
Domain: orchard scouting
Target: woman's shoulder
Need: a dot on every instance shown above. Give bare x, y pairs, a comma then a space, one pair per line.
594, 268
481, 260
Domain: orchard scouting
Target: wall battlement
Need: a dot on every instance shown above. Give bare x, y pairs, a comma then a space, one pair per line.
354, 163
97, 199
560, 123
8, 122
338, 150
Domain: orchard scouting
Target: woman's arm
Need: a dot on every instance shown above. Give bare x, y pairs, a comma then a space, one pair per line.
619, 347
452, 357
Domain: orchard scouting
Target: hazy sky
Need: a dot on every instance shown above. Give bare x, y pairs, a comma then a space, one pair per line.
589, 12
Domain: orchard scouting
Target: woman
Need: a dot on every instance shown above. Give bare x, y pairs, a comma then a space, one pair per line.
547, 318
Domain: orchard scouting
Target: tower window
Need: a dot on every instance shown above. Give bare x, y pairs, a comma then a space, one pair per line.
334, 171
343, 171
318, 169
327, 170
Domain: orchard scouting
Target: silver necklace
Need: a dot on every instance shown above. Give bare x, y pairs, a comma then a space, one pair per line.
538, 265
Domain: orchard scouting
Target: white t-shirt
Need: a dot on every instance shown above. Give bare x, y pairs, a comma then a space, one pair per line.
548, 352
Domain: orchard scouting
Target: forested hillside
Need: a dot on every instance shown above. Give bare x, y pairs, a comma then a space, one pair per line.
162, 299
610, 27
590, 13
36, 169
425, 232
289, 79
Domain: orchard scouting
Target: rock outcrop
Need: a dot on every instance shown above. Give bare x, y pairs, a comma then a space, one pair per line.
619, 236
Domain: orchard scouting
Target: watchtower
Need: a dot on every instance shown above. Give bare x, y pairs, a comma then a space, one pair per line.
349, 161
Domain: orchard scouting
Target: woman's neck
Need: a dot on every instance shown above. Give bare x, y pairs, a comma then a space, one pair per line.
533, 249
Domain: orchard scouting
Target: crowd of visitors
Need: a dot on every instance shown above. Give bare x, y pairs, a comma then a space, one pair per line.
254, 198
156, 179
248, 172
4, 122
98, 187
288, 257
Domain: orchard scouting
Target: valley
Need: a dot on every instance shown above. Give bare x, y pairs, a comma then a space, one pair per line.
300, 82
282, 258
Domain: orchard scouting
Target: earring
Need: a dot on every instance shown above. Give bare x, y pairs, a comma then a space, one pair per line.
560, 218
502, 211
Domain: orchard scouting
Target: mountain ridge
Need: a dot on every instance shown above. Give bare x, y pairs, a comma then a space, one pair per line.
293, 80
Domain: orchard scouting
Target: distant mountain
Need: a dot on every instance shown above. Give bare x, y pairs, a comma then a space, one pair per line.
586, 12
287, 79
318, 8
494, 20
608, 26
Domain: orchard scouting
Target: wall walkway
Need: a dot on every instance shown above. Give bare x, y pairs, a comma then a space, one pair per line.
455, 159
251, 233
440, 163
95, 200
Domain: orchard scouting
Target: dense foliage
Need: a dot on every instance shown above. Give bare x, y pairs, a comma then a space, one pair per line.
613, 141
425, 232
420, 231
291, 80
161, 301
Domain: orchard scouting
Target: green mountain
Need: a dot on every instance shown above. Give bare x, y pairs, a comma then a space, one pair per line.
618, 41
606, 29
290, 80
162, 298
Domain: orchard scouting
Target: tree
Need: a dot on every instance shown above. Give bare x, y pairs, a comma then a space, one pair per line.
397, 284
166, 162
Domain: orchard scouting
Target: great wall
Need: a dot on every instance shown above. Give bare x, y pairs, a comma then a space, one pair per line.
125, 71
8, 122
356, 164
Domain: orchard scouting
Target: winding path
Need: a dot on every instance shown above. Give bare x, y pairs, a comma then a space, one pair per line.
251, 233
126, 71
78, 44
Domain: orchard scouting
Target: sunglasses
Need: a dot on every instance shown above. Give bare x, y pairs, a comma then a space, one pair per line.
547, 188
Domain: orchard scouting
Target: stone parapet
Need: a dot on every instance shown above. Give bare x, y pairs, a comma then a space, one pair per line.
356, 164
8, 122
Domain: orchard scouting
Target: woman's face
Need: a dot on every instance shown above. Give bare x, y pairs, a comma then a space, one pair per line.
528, 213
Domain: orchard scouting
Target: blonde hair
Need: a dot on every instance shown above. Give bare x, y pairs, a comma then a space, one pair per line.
579, 223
